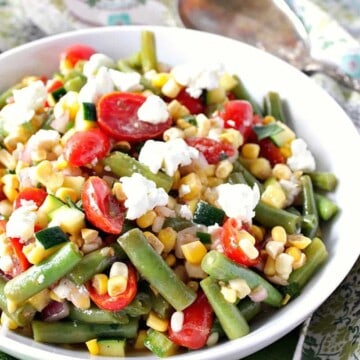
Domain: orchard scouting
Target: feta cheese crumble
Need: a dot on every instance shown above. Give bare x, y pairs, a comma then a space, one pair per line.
167, 156
301, 158
95, 62
196, 77
238, 200
153, 110
142, 195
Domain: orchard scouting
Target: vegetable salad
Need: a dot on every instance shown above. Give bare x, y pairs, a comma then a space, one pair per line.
149, 207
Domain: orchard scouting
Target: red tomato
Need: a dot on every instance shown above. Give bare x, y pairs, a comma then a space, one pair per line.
84, 147
198, 318
229, 241
77, 52
271, 152
238, 114
20, 260
117, 116
213, 150
115, 303
195, 106
37, 195
101, 207
53, 85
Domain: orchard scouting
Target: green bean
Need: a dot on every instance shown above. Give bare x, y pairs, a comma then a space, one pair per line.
39, 277
162, 307
155, 270
122, 164
177, 223
222, 268
236, 178
323, 180
326, 208
269, 216
74, 332
316, 254
141, 305
95, 315
249, 308
148, 51
241, 92
124, 66
23, 315
75, 83
309, 228
158, 343
231, 319
92, 263
273, 106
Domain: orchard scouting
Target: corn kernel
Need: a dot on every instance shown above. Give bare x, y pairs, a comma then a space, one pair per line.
118, 192
223, 169
248, 248
274, 196
170, 260
258, 232
283, 265
227, 81
294, 252
203, 125
193, 285
250, 151
260, 168
8, 322
93, 347
177, 321
147, 219
268, 120
240, 286
139, 342
298, 240
177, 110
285, 150
117, 285
154, 241
40, 300
299, 263
168, 237
155, 322
190, 131
65, 194
159, 79
173, 133
100, 283
194, 271
269, 268
232, 136
281, 172
229, 294
274, 248
171, 88
7, 159
10, 193
119, 268
194, 251
45, 174
278, 233
192, 181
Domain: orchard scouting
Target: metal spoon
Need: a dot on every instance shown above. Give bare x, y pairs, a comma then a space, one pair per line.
268, 24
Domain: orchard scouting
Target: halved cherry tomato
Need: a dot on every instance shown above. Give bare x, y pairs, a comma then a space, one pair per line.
194, 105
229, 241
20, 260
213, 150
198, 318
101, 207
53, 85
37, 195
77, 52
271, 152
84, 147
117, 116
238, 114
115, 303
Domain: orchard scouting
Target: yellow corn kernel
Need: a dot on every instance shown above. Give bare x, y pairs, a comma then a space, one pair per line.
40, 300
171, 88
268, 119
7, 322
300, 262
260, 168
193, 285
159, 79
147, 219
274, 248
213, 181
89, 235
7, 159
227, 81
243, 234
190, 131
20, 135
10, 193
54, 297
229, 294
194, 251
191, 185
274, 196
210, 170
154, 241
172, 133
250, 151
298, 240
223, 169
11, 180
269, 268
118, 192
248, 248
258, 232
45, 174
168, 237
117, 285
203, 125
278, 233
170, 260
65, 194
155, 322
232, 136
183, 124
100, 283
139, 342
283, 265
6, 208
93, 347
281, 172
80, 299
286, 299
240, 286
60, 164
285, 150
294, 252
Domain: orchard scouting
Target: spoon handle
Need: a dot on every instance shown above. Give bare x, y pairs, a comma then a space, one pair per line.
332, 70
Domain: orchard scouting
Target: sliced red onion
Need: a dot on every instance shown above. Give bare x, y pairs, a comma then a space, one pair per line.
55, 311
258, 294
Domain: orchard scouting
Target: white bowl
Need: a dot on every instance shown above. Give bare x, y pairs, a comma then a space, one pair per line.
315, 116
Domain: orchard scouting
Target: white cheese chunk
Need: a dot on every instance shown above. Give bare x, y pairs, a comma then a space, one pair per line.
301, 158
142, 195
95, 62
126, 81
153, 110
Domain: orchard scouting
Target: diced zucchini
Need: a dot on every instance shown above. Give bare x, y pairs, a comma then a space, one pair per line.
57, 94
86, 116
273, 194
75, 83
207, 214
204, 237
111, 347
50, 204
270, 130
284, 136
70, 220
51, 236
215, 96
160, 344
